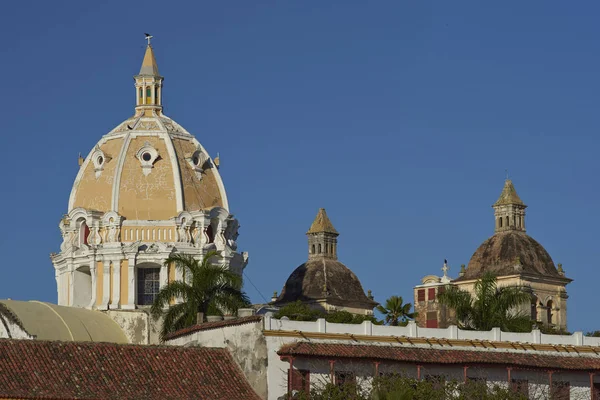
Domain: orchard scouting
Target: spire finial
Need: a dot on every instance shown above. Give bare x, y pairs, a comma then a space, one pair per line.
148, 37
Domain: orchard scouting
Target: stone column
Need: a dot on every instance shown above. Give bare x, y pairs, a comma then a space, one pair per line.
131, 289
105, 284
116, 285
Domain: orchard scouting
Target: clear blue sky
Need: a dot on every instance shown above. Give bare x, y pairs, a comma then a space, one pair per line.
398, 117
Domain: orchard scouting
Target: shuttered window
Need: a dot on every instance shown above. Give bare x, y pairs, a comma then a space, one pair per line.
431, 294
300, 380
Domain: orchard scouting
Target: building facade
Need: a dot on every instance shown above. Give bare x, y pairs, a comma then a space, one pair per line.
280, 357
516, 259
146, 190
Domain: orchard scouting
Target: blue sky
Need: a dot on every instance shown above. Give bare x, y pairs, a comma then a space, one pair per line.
400, 118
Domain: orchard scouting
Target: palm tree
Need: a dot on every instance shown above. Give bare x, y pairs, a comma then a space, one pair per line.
395, 312
490, 306
207, 287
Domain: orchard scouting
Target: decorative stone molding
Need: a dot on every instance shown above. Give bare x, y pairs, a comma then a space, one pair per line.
147, 156
99, 159
199, 161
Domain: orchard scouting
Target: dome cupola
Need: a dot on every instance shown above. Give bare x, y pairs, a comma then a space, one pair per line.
323, 282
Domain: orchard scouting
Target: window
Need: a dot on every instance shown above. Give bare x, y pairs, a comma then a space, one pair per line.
299, 380
141, 92
520, 386
320, 251
148, 285
210, 234
431, 294
345, 378
432, 321
421, 295
596, 392
84, 233
560, 391
549, 312
313, 249
438, 381
500, 222
148, 92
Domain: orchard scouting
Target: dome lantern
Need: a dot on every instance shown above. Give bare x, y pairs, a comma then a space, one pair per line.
322, 238
509, 210
148, 84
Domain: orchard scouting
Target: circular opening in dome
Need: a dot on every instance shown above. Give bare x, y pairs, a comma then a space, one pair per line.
146, 156
196, 160
100, 160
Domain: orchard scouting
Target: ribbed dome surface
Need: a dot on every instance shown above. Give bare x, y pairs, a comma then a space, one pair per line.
510, 253
178, 174
324, 278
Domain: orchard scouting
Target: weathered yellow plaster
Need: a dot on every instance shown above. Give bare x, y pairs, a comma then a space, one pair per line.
197, 194
150, 197
110, 282
124, 289
96, 193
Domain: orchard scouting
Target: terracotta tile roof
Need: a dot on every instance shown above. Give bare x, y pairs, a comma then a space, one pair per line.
213, 325
33, 369
435, 356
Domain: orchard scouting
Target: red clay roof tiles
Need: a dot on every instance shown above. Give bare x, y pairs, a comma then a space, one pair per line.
32, 369
436, 356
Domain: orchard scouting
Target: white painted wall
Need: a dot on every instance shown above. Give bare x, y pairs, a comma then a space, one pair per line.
10, 330
412, 330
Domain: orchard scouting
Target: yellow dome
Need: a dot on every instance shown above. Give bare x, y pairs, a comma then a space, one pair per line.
148, 168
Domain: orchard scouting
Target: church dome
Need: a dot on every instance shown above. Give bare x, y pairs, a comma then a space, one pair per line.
148, 167
510, 253
325, 279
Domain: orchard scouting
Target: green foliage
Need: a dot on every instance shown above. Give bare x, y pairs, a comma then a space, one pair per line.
593, 334
553, 330
490, 306
299, 311
395, 312
207, 289
398, 387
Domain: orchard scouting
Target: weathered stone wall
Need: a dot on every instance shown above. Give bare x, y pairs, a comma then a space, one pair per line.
246, 344
138, 325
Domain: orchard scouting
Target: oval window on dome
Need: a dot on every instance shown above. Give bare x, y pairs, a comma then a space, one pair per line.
100, 160
146, 156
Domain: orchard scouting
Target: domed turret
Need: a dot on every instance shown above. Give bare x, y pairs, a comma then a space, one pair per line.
323, 282
519, 260
147, 189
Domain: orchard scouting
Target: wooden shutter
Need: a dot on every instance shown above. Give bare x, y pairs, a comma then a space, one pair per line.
421, 295
431, 294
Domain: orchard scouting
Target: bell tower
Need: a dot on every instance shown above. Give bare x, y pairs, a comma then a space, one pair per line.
509, 210
322, 238
148, 84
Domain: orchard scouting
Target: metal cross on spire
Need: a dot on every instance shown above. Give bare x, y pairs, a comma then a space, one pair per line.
148, 37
